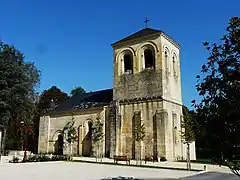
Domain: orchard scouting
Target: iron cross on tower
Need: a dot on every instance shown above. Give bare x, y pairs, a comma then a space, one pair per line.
146, 22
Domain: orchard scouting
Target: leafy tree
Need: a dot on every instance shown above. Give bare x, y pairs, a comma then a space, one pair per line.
47, 101
140, 135
219, 87
50, 98
189, 131
97, 136
18, 83
70, 133
77, 90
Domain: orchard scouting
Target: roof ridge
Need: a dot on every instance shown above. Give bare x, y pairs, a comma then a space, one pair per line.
138, 34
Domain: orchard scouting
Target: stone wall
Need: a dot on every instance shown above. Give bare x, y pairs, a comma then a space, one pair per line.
51, 126
147, 83
43, 134
126, 144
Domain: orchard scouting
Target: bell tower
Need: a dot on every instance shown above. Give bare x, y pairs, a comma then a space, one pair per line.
147, 82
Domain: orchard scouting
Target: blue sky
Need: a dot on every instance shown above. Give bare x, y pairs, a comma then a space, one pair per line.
69, 41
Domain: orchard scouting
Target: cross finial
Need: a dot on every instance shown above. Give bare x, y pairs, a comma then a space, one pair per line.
146, 22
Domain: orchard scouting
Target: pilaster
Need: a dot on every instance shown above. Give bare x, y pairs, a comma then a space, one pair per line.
161, 118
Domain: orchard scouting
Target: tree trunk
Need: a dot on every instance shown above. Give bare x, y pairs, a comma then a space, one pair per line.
188, 157
140, 152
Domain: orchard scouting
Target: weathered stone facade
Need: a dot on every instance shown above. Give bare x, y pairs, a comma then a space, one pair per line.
147, 89
154, 91
52, 125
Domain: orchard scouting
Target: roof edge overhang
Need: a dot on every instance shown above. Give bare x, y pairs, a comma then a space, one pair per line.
152, 36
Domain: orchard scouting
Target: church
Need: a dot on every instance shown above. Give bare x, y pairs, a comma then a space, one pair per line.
147, 89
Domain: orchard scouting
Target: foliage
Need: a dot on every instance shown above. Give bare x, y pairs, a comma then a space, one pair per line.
42, 158
188, 131
219, 88
18, 83
119, 178
97, 136
189, 125
14, 160
47, 101
70, 131
77, 90
140, 131
163, 158
140, 135
50, 98
97, 131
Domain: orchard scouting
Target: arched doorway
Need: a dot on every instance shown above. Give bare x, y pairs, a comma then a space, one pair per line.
87, 140
59, 145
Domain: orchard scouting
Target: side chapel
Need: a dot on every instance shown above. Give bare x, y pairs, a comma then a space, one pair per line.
147, 87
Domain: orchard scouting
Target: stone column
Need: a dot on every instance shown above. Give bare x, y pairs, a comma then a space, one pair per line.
43, 139
112, 124
80, 135
161, 117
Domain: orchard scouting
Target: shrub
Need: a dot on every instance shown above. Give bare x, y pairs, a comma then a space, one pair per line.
59, 158
14, 160
163, 159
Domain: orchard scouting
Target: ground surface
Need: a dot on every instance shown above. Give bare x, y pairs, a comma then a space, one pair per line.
81, 171
89, 171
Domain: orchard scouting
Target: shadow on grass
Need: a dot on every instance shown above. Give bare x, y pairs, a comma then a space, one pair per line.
143, 166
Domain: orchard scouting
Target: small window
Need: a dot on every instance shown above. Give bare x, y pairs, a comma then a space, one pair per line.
128, 64
174, 65
149, 59
166, 60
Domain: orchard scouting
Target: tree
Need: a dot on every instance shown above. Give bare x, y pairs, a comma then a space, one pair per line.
51, 97
70, 133
18, 84
48, 100
77, 90
189, 131
140, 136
97, 136
219, 87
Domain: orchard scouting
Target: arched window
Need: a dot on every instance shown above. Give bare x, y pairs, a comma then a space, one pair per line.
128, 64
166, 60
174, 58
149, 59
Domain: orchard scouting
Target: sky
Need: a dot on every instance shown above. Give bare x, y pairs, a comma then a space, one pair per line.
70, 41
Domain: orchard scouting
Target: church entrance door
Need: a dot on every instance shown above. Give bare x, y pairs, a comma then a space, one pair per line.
59, 148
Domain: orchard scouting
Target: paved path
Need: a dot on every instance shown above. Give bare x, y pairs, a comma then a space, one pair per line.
212, 176
82, 171
166, 164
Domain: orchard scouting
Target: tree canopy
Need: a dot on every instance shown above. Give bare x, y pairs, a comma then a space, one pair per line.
51, 97
18, 84
189, 125
77, 90
219, 87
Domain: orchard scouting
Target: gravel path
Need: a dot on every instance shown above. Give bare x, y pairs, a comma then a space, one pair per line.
82, 171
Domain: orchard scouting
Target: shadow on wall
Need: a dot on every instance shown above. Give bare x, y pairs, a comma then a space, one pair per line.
87, 142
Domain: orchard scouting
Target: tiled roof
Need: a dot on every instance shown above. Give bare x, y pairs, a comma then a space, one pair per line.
139, 34
86, 100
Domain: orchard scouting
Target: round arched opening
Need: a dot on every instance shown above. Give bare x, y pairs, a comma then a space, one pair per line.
59, 145
149, 58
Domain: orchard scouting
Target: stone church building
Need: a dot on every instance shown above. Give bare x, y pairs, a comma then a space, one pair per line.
147, 88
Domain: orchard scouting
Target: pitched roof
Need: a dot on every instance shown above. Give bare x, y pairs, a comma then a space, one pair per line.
87, 100
139, 34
